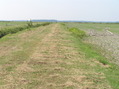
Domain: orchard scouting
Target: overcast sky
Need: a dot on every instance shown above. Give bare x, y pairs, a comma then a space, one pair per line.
87, 10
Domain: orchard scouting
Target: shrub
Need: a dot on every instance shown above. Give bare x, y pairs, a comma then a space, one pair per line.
29, 23
78, 32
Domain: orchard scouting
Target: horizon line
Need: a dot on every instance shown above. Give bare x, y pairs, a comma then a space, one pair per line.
60, 20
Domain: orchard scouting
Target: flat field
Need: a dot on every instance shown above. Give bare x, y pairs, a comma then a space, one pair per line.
53, 57
10, 24
113, 27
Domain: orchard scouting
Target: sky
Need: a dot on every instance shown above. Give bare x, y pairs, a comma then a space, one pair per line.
83, 10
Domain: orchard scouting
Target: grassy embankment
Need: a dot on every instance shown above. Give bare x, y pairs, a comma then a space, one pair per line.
110, 70
53, 57
15, 50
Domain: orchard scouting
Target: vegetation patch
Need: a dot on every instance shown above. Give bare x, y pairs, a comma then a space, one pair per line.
13, 30
78, 32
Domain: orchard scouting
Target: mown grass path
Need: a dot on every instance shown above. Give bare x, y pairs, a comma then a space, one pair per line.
47, 58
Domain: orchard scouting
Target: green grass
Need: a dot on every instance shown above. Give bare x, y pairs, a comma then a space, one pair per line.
11, 23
